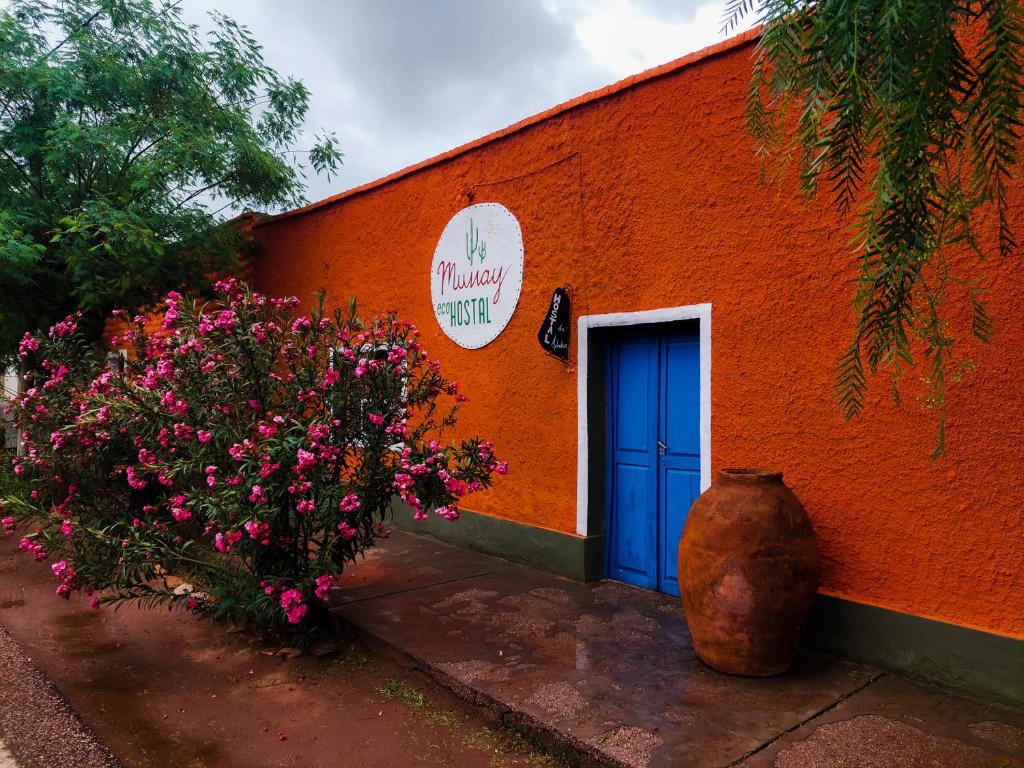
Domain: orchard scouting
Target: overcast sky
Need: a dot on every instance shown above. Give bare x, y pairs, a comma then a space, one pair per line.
401, 80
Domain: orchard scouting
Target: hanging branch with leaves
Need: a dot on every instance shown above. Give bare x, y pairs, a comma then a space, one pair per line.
909, 112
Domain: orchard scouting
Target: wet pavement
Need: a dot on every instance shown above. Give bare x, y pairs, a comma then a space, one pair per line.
609, 671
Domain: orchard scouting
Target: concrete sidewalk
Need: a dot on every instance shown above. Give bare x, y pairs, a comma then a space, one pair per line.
608, 673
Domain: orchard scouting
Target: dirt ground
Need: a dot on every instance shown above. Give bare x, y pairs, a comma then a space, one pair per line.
166, 689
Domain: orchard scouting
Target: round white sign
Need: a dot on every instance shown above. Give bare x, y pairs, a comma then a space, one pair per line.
477, 274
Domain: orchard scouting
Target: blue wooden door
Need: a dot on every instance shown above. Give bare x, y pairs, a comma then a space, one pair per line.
633, 461
653, 456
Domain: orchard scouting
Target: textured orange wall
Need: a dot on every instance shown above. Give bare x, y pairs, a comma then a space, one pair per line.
649, 197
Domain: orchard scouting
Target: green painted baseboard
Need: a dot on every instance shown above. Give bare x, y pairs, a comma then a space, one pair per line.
576, 557
966, 660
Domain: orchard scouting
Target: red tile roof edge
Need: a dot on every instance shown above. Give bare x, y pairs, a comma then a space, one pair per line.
632, 81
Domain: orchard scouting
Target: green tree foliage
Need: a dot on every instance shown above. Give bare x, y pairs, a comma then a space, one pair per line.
909, 112
124, 135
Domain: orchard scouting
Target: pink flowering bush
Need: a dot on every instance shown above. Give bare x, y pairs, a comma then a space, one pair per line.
246, 450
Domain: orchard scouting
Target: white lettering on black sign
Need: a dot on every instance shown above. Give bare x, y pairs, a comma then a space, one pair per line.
554, 332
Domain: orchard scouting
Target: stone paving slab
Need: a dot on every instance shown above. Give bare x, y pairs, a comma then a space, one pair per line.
610, 671
897, 722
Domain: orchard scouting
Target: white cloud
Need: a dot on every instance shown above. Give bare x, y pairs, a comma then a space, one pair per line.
627, 37
402, 80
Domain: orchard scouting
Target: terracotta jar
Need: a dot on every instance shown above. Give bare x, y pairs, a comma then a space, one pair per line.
748, 572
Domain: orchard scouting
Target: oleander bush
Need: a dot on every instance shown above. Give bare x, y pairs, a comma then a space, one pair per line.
237, 460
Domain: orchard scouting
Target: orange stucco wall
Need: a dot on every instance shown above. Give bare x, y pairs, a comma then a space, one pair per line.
647, 196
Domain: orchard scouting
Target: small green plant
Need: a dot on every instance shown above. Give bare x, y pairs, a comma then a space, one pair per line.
418, 704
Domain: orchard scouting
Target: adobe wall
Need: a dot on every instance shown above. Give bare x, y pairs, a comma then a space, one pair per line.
647, 196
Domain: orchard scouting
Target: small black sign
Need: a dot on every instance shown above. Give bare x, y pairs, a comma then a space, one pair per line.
554, 332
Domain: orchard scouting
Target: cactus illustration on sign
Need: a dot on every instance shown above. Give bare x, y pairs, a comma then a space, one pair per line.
474, 245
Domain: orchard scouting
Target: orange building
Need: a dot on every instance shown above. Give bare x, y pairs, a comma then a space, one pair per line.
643, 202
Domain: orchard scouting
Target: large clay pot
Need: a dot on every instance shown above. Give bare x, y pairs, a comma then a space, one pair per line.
748, 572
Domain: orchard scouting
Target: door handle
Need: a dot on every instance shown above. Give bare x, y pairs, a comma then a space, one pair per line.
662, 448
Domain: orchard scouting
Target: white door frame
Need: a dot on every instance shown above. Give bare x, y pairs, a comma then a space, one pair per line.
699, 312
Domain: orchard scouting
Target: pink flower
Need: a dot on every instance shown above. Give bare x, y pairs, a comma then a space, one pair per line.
56, 377
323, 585
225, 320
376, 418
172, 403
256, 495
349, 504
305, 506
95, 603
203, 436
32, 547
8, 524
66, 574
28, 343
180, 514
65, 528
170, 316
258, 530
501, 467
224, 542
449, 513
134, 480
305, 459
294, 607
63, 328
347, 531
